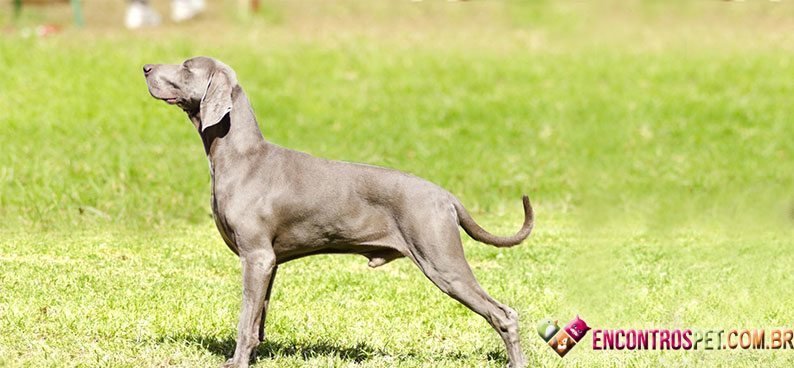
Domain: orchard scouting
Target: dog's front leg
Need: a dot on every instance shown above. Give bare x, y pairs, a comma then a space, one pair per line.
264, 306
258, 267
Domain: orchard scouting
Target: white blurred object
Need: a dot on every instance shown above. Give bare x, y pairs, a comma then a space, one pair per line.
141, 15
182, 10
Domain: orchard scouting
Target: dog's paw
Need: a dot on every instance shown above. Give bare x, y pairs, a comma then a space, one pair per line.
519, 364
232, 364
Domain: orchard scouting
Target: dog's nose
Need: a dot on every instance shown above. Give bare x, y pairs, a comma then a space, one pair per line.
147, 69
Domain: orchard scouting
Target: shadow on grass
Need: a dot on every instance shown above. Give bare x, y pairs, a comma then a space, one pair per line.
360, 352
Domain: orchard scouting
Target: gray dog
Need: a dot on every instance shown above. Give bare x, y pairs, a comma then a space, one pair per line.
273, 205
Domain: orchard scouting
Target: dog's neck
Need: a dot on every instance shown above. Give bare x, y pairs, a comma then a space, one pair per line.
236, 136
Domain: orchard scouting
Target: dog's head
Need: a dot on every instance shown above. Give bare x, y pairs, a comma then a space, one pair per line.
201, 86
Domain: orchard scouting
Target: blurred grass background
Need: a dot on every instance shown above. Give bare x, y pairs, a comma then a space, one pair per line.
618, 114
654, 139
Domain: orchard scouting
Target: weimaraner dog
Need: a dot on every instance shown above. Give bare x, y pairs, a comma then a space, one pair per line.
272, 205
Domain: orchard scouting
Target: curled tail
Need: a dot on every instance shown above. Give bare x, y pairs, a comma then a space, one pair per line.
479, 234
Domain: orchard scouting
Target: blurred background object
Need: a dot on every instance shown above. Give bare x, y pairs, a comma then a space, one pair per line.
138, 14
141, 14
77, 10
182, 10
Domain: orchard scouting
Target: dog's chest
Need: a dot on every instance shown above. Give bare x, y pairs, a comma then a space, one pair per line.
220, 215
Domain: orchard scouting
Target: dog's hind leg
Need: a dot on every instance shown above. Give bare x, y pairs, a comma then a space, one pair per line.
438, 252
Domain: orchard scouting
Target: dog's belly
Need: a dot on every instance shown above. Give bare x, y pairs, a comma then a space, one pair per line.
373, 235
377, 255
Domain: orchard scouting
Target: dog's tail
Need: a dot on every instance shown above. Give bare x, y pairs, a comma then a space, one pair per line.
479, 234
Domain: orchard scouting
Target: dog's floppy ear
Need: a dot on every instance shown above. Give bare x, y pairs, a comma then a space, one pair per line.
217, 100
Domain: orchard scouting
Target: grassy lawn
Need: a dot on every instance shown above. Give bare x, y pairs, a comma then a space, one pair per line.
654, 138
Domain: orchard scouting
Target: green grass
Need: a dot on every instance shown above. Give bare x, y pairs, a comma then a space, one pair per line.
654, 140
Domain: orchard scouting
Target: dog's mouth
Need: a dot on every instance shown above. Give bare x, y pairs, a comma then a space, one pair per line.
168, 100
159, 94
